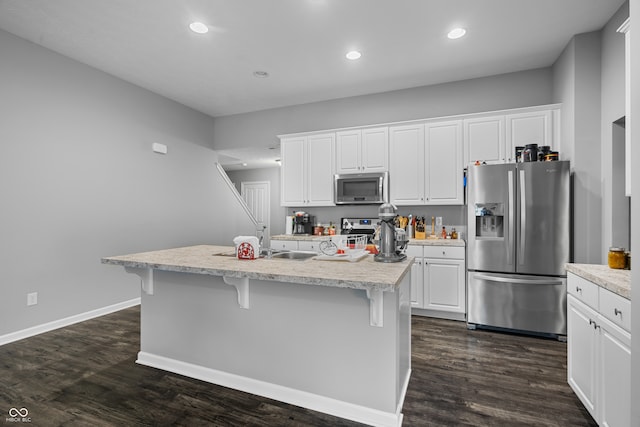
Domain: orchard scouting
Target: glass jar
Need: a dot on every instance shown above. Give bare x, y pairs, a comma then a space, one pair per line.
530, 153
617, 258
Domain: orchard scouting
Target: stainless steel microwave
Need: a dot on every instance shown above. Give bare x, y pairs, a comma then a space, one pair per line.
361, 188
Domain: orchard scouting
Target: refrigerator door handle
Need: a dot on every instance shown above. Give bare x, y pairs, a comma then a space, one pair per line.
511, 215
519, 281
523, 218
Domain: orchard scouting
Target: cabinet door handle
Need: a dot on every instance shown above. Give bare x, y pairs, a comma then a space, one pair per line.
616, 312
578, 289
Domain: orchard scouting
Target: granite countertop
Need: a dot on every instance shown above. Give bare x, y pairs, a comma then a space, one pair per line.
219, 261
303, 237
437, 242
617, 281
423, 242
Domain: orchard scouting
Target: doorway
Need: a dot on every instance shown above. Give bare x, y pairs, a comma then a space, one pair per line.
257, 196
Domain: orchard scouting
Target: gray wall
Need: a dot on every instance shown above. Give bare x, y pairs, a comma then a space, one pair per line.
80, 181
634, 7
511, 90
615, 215
589, 82
577, 86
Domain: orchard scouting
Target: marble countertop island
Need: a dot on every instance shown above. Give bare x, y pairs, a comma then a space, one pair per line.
220, 261
331, 336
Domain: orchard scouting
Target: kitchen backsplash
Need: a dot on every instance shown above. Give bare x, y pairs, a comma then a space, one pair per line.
452, 216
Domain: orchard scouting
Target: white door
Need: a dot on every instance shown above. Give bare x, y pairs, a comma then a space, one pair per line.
348, 152
615, 368
320, 167
292, 173
581, 352
406, 164
257, 195
375, 150
484, 140
444, 285
443, 163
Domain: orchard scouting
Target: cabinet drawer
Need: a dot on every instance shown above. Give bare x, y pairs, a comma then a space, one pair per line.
313, 246
615, 308
414, 251
583, 290
456, 252
287, 245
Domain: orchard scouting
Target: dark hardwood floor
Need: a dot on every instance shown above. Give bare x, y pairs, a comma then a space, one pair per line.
85, 375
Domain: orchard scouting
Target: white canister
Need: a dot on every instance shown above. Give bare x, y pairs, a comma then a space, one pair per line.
288, 225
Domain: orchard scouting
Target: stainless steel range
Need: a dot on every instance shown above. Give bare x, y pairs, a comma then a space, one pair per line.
366, 226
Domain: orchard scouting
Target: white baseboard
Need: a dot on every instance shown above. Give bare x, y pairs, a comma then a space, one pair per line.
46, 327
300, 398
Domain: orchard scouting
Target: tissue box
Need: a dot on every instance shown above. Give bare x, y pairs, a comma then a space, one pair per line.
247, 247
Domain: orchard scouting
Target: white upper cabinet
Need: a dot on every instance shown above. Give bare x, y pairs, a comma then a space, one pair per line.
528, 128
484, 140
307, 170
443, 163
362, 151
406, 164
425, 158
426, 164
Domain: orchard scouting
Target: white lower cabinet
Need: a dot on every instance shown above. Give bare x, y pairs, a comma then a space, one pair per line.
599, 351
438, 282
285, 245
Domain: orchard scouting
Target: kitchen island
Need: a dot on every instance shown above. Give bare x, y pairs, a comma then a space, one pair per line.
329, 336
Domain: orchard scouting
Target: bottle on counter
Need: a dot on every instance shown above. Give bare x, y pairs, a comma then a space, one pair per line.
444, 232
454, 233
617, 258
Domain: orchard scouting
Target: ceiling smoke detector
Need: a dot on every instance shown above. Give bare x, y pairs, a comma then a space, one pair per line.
261, 74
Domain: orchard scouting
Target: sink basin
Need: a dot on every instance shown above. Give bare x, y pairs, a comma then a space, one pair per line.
296, 255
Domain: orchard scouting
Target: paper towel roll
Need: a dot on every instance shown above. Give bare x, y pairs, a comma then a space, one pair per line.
247, 247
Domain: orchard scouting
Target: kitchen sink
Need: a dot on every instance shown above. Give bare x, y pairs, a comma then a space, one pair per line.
295, 255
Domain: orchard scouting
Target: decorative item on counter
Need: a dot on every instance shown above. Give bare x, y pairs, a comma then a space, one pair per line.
332, 229
444, 232
433, 235
617, 258
247, 247
318, 230
530, 153
420, 228
543, 150
454, 234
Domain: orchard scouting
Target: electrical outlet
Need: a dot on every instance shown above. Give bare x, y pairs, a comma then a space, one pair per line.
32, 298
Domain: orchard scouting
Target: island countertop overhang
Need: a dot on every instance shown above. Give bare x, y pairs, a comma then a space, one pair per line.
214, 260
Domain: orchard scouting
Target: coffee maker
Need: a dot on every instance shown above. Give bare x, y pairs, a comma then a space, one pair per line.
303, 223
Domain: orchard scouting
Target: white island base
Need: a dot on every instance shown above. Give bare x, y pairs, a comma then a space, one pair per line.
308, 345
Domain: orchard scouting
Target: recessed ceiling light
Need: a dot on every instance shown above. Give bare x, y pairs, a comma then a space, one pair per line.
244, 164
260, 74
354, 54
456, 33
199, 27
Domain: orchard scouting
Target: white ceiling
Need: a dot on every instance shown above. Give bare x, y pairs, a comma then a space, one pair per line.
300, 43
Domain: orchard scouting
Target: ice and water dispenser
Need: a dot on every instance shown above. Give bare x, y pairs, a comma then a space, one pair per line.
489, 220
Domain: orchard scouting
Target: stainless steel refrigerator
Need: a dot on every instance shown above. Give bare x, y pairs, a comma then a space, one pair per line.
518, 245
